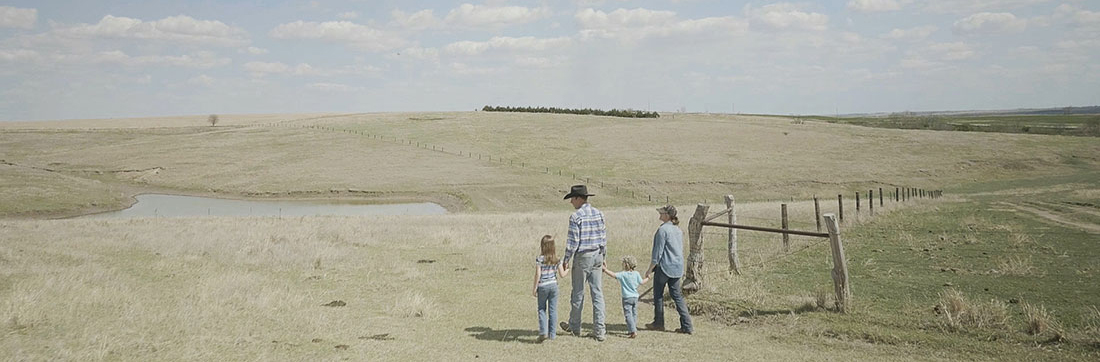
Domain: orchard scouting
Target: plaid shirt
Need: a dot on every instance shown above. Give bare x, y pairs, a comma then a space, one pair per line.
587, 232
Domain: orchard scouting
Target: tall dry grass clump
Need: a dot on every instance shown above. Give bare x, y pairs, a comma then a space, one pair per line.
1040, 320
414, 304
959, 313
1017, 266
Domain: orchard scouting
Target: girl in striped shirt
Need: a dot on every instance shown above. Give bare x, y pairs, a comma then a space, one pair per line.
547, 268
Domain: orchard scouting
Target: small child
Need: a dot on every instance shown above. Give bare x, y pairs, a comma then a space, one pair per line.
546, 287
629, 280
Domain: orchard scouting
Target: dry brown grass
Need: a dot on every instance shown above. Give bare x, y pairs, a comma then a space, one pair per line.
958, 312
1039, 321
1017, 266
250, 288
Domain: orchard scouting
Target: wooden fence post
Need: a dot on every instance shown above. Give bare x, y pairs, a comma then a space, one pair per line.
840, 205
735, 262
693, 277
840, 266
786, 237
897, 196
817, 214
857, 202
880, 196
871, 201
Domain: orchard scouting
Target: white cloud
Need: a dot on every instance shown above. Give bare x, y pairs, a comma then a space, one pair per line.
526, 43
539, 62
989, 23
971, 6
950, 51
13, 17
463, 69
423, 19
347, 15
635, 24
469, 15
196, 60
333, 87
180, 28
872, 6
430, 54
254, 51
355, 35
261, 69
786, 16
911, 34
202, 79
18, 55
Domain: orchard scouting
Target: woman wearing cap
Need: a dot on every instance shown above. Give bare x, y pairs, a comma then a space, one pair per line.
667, 266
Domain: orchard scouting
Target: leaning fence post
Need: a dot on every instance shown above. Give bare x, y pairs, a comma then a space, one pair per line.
735, 262
817, 214
840, 265
693, 279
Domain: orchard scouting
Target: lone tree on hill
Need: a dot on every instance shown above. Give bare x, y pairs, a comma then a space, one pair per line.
213, 119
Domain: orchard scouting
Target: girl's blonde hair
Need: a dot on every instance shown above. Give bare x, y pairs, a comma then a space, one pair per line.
549, 257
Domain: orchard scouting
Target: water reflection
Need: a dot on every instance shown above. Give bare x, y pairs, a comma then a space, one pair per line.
155, 205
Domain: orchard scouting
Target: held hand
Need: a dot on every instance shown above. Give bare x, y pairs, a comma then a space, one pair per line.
535, 293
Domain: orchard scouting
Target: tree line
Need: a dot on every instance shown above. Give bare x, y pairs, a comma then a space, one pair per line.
627, 113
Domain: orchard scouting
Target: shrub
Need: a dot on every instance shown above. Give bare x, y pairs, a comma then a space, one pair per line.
213, 119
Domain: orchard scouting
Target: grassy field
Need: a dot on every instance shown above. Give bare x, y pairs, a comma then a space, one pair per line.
1068, 124
946, 279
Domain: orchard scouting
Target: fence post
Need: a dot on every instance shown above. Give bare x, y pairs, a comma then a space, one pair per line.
880, 196
840, 266
693, 278
817, 214
857, 202
871, 201
840, 205
786, 237
735, 262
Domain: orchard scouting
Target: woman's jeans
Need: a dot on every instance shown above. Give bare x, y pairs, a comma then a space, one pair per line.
659, 282
548, 309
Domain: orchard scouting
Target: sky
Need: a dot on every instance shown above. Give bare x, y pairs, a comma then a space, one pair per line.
133, 58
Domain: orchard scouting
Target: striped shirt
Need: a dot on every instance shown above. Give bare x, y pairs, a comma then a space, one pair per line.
547, 273
587, 232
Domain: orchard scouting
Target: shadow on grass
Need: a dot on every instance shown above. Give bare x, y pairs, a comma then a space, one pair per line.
530, 336
504, 335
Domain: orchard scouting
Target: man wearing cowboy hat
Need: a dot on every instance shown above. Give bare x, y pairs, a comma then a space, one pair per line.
586, 245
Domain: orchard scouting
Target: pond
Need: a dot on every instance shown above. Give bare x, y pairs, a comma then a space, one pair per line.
156, 205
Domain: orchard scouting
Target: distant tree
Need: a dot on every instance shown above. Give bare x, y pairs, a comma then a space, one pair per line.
213, 119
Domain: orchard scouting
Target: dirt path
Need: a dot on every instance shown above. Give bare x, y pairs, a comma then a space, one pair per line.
1058, 218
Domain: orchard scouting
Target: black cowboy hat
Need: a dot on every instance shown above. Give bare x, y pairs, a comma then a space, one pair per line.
578, 190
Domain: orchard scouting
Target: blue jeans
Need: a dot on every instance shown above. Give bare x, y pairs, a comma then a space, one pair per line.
587, 267
548, 309
659, 282
630, 310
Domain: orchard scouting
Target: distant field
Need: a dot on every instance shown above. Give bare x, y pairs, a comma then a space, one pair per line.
1068, 124
680, 157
